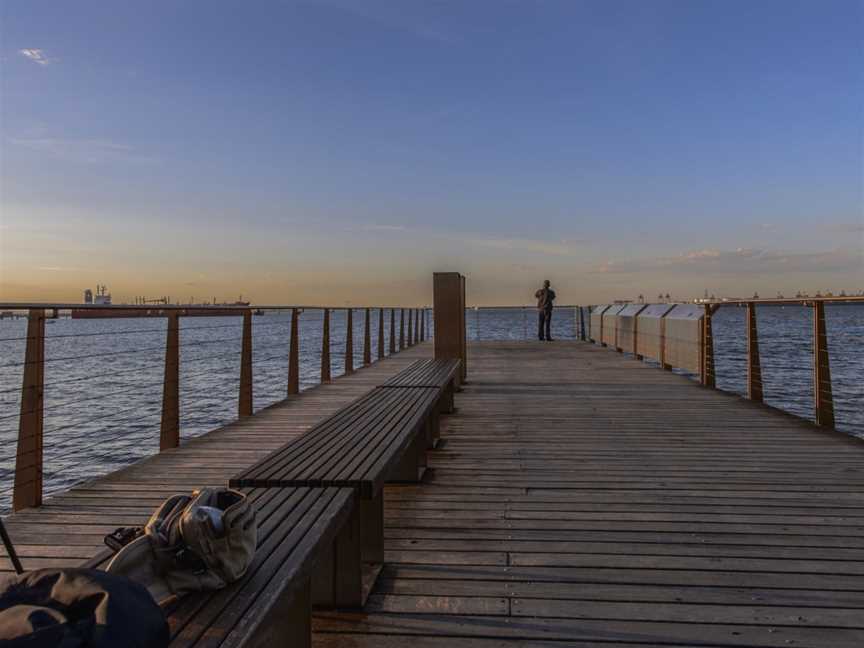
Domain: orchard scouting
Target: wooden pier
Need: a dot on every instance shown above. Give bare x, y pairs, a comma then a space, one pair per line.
578, 497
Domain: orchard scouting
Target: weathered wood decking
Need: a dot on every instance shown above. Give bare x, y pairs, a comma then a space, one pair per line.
580, 498
70, 528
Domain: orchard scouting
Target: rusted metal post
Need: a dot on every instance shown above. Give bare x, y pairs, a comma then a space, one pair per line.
401, 329
325, 348
822, 393
380, 333
449, 314
367, 341
27, 491
707, 349
754, 364
410, 327
392, 331
663, 362
464, 345
245, 403
349, 341
294, 355
169, 433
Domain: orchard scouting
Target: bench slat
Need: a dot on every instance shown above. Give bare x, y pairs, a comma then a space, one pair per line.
356, 448
426, 373
297, 524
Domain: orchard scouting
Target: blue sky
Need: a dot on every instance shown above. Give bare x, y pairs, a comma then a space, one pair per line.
284, 149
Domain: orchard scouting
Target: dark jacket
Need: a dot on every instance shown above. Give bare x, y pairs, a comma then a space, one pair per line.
545, 297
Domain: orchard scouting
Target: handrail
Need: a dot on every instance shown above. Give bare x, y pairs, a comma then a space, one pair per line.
181, 307
27, 490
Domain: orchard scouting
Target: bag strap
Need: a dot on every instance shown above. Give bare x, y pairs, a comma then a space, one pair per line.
10, 549
121, 536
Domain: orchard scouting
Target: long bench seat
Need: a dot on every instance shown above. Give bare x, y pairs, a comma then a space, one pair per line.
381, 437
440, 373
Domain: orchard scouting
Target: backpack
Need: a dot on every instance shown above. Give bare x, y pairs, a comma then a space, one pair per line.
191, 543
78, 608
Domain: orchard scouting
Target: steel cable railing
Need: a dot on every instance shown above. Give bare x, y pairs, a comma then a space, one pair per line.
803, 356
77, 420
517, 323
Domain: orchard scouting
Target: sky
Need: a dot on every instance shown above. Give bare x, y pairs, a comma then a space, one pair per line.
340, 151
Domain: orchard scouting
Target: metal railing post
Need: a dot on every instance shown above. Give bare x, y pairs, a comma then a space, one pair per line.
423, 324
380, 333
754, 364
410, 327
349, 341
707, 349
27, 491
245, 402
822, 393
325, 348
416, 326
169, 432
392, 331
367, 341
294, 355
401, 329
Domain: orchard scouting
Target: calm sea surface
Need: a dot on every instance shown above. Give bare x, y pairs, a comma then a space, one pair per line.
103, 377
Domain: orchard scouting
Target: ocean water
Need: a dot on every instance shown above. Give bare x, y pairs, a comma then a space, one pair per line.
103, 377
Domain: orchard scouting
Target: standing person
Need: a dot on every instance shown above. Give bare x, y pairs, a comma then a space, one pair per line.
545, 296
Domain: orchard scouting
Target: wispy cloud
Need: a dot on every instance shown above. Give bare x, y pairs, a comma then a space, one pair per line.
57, 269
849, 228
38, 56
79, 150
377, 227
563, 247
741, 262
405, 20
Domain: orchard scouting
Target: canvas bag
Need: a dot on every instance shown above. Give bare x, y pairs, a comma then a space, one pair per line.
183, 550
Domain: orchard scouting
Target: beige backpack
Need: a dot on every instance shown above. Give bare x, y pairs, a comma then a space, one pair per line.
191, 543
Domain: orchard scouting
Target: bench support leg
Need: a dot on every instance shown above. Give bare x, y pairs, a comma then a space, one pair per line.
412, 465
433, 430
372, 528
338, 579
449, 401
288, 624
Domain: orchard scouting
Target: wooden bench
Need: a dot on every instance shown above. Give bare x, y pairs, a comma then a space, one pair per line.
381, 437
308, 554
442, 375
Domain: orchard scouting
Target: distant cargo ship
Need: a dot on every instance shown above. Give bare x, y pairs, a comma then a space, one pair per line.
102, 296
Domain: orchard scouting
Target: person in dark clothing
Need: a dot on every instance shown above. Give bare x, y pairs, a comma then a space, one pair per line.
545, 296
